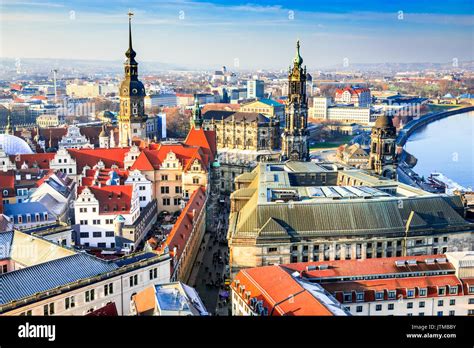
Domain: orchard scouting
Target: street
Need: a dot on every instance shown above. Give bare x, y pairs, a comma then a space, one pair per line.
209, 271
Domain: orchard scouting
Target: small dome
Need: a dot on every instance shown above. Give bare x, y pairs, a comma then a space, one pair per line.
383, 122
13, 145
216, 164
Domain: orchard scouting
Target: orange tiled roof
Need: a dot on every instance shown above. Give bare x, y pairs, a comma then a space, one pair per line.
205, 139
340, 268
179, 234
273, 284
90, 157
145, 300
39, 159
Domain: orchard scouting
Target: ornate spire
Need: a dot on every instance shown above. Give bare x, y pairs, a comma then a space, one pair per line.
197, 118
298, 60
8, 128
130, 54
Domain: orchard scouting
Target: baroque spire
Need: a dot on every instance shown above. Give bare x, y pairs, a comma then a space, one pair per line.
130, 54
298, 60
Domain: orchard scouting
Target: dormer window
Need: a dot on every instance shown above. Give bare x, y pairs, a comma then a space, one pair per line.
360, 296
441, 291
410, 293
347, 297
453, 290
379, 295
423, 292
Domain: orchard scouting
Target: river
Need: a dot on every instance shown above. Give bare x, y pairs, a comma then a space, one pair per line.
446, 146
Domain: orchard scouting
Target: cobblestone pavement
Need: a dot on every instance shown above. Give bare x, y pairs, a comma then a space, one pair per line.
208, 274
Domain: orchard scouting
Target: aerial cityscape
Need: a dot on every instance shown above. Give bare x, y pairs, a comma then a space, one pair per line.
316, 169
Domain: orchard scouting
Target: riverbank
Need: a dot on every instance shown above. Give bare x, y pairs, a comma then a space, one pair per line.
445, 147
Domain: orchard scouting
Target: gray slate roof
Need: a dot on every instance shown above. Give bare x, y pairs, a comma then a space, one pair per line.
49, 275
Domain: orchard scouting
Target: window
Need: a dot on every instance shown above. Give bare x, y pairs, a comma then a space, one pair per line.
359, 309
90, 295
411, 293
166, 201
439, 314
391, 306
164, 178
101, 245
96, 222
178, 189
272, 250
108, 289
97, 234
109, 233
440, 303
452, 313
83, 210
471, 301
176, 201
69, 302
165, 189
4, 268
409, 305
392, 294
379, 295
421, 304
378, 307
452, 302
453, 290
360, 296
423, 292
153, 273
133, 280
348, 297
48, 309
84, 234
294, 248
441, 291
471, 289
83, 222
195, 180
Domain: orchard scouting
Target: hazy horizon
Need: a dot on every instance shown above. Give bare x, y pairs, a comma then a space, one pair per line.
208, 34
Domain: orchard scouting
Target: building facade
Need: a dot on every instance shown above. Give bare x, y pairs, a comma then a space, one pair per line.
302, 211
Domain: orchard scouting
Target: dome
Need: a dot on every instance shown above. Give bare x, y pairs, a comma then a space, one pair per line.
383, 122
13, 145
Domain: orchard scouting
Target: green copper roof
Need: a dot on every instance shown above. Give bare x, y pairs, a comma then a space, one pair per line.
298, 59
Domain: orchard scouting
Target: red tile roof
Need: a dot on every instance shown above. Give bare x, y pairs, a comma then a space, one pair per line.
152, 159
41, 160
272, 284
115, 199
7, 182
90, 157
204, 139
341, 268
400, 285
179, 234
108, 310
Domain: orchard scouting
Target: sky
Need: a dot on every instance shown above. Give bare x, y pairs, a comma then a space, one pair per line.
240, 34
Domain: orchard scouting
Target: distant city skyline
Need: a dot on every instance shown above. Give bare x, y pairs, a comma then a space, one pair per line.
241, 35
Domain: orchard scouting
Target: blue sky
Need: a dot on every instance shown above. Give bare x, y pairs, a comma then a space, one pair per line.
258, 34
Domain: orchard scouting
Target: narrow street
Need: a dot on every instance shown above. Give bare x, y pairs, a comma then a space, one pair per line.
209, 272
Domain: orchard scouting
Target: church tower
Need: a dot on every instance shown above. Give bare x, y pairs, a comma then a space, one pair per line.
295, 135
382, 158
132, 118
196, 120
